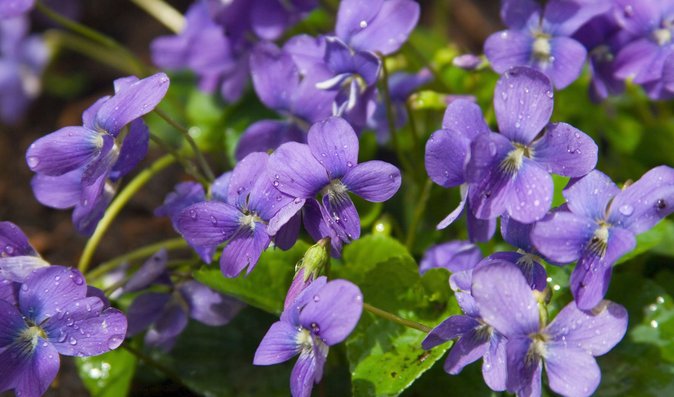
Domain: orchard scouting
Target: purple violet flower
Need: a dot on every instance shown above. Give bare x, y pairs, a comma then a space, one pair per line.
252, 201
23, 58
51, 314
17, 257
448, 151
601, 225
321, 316
454, 256
80, 166
165, 314
510, 172
15, 8
567, 346
328, 166
541, 38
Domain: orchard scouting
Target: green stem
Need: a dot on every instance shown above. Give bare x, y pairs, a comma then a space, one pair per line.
205, 168
143, 252
164, 13
86, 32
390, 117
188, 166
116, 206
398, 320
418, 213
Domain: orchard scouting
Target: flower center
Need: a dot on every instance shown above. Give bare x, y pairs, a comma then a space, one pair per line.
542, 50
599, 241
602, 54
28, 338
513, 161
334, 189
662, 36
304, 339
537, 349
249, 219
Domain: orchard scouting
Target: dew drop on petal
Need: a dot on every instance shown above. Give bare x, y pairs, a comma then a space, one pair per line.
626, 209
115, 341
33, 161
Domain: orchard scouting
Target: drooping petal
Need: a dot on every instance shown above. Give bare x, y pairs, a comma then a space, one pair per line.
374, 180
590, 195
516, 233
479, 230
523, 101
303, 375
13, 241
566, 61
208, 223
508, 48
17, 268
454, 256
563, 236
286, 237
284, 216
207, 305
278, 345
456, 212
273, 89
571, 371
131, 103
296, 172
460, 283
470, 347
565, 150
445, 158
244, 249
341, 215
494, 363
530, 194
59, 192
145, 310
64, 150
153, 268
220, 187
266, 135
635, 58
134, 149
47, 291
333, 312
645, 202
451, 328
505, 299
170, 324
334, 143
29, 374
524, 373
11, 324
592, 275
183, 195
87, 328
594, 332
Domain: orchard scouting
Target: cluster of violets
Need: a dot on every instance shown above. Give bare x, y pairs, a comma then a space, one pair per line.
621, 39
297, 172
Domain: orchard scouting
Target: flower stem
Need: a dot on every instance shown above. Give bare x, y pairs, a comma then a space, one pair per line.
205, 168
164, 13
116, 206
398, 320
188, 166
143, 252
93, 35
418, 213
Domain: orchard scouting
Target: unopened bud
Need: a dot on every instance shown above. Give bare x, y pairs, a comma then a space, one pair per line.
314, 262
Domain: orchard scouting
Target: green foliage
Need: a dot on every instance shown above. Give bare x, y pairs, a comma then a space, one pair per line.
107, 375
266, 286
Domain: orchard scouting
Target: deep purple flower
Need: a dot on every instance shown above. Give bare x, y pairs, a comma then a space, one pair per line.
323, 315
17, 257
650, 21
380, 26
328, 166
510, 172
454, 256
51, 314
15, 8
23, 58
601, 225
567, 346
252, 201
285, 80
448, 151
541, 38
165, 314
80, 166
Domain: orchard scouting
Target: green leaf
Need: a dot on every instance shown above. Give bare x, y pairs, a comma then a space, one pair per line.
650, 239
107, 375
266, 286
363, 254
385, 357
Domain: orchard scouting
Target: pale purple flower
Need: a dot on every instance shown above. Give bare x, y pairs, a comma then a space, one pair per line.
321, 316
15, 8
17, 257
566, 347
328, 166
600, 225
454, 256
541, 38
49, 315
252, 201
510, 172
165, 314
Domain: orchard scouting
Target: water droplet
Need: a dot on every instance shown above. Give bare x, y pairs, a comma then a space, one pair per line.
628, 11
275, 183
24, 287
363, 24
504, 95
626, 209
316, 298
392, 176
239, 190
72, 341
9, 250
297, 200
115, 341
193, 214
349, 164
214, 221
660, 204
33, 161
